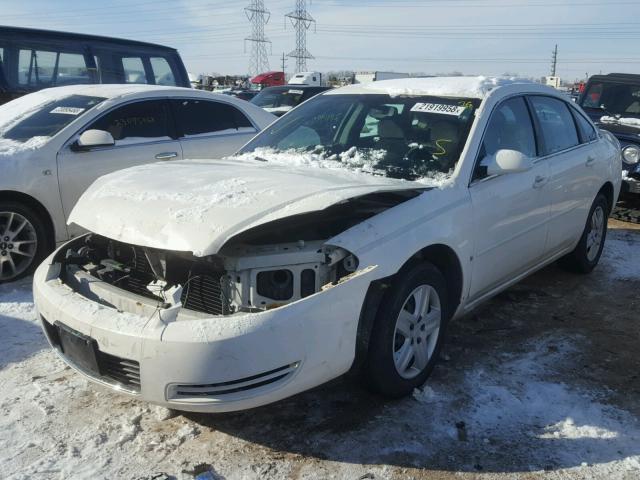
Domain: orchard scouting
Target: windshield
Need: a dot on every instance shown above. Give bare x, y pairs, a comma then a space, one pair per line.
613, 99
279, 98
400, 137
50, 118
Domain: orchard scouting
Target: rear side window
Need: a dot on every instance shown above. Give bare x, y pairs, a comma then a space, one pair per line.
162, 72
197, 117
587, 132
136, 121
556, 124
133, 68
510, 128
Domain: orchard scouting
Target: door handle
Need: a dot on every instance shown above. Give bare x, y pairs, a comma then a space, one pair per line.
590, 161
539, 181
166, 155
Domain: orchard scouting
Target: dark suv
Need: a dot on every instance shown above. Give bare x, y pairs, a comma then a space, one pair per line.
613, 103
33, 59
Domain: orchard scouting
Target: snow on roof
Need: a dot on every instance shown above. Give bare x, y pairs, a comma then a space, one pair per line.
464, 87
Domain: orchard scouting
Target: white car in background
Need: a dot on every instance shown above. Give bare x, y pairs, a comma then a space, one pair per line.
56, 142
345, 235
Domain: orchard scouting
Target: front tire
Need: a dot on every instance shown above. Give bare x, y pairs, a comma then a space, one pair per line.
408, 332
586, 255
23, 241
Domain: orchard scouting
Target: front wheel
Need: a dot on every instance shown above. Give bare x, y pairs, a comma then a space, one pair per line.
22, 241
408, 331
585, 257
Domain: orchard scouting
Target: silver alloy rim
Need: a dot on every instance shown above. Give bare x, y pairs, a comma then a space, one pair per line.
595, 234
416, 331
18, 244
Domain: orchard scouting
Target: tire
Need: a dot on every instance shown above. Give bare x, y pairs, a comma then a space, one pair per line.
23, 241
585, 257
388, 369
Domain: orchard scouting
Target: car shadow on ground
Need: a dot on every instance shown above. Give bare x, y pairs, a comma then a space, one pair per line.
515, 391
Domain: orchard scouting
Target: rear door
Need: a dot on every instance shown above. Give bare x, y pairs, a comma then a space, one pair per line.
211, 129
511, 211
573, 167
143, 132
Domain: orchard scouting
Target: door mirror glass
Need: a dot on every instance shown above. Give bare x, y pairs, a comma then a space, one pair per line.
507, 161
95, 138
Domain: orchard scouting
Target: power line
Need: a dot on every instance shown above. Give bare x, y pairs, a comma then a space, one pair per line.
301, 21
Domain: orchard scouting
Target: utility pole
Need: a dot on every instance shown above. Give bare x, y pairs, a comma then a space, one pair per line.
259, 16
284, 64
554, 61
301, 21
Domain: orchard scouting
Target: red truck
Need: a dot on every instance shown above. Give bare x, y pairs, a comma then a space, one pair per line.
269, 79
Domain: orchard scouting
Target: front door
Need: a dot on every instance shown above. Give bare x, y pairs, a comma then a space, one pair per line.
511, 211
142, 134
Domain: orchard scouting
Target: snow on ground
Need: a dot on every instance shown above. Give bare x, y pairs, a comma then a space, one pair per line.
507, 412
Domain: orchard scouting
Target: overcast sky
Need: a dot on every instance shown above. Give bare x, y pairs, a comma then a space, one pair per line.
430, 36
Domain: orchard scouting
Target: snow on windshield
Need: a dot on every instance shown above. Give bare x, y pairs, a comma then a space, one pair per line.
355, 160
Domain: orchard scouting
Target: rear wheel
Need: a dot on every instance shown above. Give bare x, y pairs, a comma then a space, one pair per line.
408, 331
587, 253
22, 241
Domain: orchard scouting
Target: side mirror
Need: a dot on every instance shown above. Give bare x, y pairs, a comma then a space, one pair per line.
94, 138
507, 161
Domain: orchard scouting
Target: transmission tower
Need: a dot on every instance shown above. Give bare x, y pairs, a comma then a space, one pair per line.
554, 61
301, 21
259, 16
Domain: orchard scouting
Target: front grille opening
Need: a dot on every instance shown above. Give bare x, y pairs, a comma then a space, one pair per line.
205, 293
135, 269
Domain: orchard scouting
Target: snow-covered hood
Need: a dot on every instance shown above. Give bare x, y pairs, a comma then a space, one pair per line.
198, 205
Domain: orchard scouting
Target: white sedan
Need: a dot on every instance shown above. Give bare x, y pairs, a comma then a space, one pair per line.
56, 142
344, 236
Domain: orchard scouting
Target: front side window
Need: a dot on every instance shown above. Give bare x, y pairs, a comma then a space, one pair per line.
133, 68
556, 123
510, 128
36, 68
409, 137
134, 122
41, 69
50, 118
198, 117
162, 72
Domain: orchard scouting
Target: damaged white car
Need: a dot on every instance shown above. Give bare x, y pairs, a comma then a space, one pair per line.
344, 236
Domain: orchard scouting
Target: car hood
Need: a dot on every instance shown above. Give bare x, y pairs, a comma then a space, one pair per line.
198, 205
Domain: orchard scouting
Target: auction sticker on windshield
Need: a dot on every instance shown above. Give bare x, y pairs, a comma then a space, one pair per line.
68, 110
296, 92
438, 108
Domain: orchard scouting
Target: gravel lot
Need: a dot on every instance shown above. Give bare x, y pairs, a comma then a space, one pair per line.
541, 382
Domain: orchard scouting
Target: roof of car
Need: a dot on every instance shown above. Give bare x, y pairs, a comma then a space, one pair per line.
36, 32
459, 87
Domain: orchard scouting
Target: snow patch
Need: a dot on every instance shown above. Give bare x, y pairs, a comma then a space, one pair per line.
630, 122
458, 87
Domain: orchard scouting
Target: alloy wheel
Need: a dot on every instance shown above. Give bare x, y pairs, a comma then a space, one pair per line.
596, 233
18, 244
416, 331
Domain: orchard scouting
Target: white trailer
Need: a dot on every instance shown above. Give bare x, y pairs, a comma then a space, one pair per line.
366, 77
307, 78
